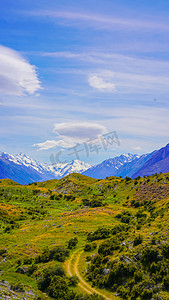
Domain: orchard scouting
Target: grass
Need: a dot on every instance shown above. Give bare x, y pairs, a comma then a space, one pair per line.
37, 221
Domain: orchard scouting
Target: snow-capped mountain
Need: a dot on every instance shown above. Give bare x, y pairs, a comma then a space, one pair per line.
109, 167
22, 169
22, 159
158, 162
75, 166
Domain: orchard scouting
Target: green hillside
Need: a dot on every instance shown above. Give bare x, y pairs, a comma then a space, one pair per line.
81, 238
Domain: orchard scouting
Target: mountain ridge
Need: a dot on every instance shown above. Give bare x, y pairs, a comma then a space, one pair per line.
24, 170
110, 166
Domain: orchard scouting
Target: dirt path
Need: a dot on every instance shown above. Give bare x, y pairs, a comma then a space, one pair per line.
72, 269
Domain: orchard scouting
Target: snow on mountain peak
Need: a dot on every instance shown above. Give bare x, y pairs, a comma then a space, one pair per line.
58, 170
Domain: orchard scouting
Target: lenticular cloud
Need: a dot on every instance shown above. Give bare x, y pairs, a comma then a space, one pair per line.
17, 76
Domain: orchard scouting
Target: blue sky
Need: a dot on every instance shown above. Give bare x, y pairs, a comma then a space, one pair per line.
71, 71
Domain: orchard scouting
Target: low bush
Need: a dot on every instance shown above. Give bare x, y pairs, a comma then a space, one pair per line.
58, 253
100, 233
72, 243
90, 247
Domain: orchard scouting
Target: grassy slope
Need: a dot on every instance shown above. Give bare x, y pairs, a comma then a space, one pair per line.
55, 222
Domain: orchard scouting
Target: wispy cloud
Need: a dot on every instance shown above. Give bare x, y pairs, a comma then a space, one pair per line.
128, 83
17, 76
116, 61
119, 73
142, 122
99, 21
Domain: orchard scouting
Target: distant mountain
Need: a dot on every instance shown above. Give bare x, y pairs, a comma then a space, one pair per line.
158, 162
76, 166
111, 166
24, 170
130, 168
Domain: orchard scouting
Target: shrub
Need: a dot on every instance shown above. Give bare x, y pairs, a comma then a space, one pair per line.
72, 243
7, 229
93, 203
107, 247
118, 228
3, 252
146, 294
141, 217
31, 269
86, 202
149, 255
47, 274
96, 203
124, 217
127, 179
100, 233
58, 253
90, 246
138, 240
69, 197
18, 287
52, 197
166, 282
165, 250
73, 280
58, 288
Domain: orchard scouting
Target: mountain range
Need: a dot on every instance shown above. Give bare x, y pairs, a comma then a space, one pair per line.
25, 170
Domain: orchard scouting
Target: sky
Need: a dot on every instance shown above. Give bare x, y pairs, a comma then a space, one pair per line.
84, 80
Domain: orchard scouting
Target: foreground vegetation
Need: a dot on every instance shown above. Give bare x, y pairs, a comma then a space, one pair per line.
120, 227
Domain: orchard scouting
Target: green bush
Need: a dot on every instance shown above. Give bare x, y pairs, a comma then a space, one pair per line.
149, 255
107, 247
47, 275
119, 228
165, 250
58, 253
58, 288
166, 282
100, 233
124, 217
31, 269
72, 243
90, 247
127, 179
138, 240
92, 203
73, 280
147, 294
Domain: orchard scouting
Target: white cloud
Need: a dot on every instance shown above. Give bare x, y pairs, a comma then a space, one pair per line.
49, 144
116, 63
17, 76
100, 21
120, 73
101, 84
107, 81
79, 131
65, 54
71, 134
136, 148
